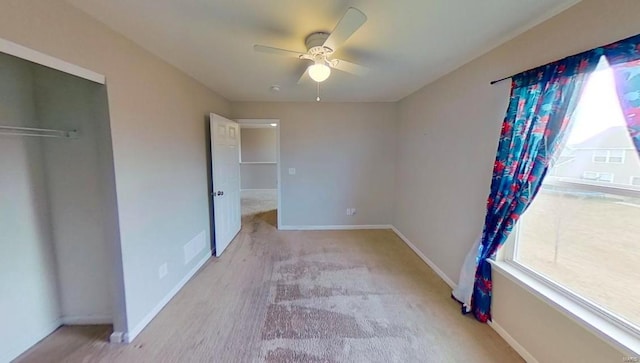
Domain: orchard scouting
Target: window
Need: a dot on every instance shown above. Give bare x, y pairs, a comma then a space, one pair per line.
609, 156
616, 156
605, 177
600, 156
590, 175
599, 177
581, 237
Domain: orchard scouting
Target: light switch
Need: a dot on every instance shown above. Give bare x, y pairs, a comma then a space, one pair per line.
292, 171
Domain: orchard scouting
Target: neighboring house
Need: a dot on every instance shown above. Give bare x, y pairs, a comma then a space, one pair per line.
608, 157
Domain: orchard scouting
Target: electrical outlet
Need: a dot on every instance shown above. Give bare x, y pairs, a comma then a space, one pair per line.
163, 270
292, 171
351, 211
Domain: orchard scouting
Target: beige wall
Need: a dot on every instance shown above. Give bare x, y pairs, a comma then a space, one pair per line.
158, 118
259, 176
258, 144
343, 154
545, 332
447, 141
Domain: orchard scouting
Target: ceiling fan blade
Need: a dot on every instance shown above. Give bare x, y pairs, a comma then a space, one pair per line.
277, 51
349, 67
351, 21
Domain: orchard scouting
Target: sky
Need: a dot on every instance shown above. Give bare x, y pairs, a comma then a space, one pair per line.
598, 108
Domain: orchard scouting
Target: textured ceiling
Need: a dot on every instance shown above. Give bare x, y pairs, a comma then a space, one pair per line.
405, 43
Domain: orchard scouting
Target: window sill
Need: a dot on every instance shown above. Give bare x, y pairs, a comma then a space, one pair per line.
613, 334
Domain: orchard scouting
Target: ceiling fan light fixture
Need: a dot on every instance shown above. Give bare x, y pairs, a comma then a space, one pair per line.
319, 71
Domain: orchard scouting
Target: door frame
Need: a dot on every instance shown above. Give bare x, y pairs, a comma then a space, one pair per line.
265, 122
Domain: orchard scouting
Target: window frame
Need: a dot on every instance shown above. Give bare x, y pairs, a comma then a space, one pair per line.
612, 177
606, 154
622, 156
603, 154
597, 175
508, 255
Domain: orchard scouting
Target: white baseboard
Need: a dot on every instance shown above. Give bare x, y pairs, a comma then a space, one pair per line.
15, 351
493, 324
512, 342
129, 336
87, 320
424, 258
117, 337
341, 227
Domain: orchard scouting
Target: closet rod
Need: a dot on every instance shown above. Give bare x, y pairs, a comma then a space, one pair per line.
31, 131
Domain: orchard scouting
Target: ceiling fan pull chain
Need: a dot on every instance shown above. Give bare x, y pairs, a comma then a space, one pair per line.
318, 91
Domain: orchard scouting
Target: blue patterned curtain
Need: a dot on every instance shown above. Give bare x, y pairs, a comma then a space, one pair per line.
624, 58
541, 104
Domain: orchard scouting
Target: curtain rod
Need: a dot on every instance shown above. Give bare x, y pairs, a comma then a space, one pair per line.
633, 37
557, 60
501, 79
513, 75
31, 131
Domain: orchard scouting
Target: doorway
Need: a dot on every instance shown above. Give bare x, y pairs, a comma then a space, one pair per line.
260, 170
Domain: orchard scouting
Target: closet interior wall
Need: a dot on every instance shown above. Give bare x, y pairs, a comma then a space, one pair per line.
258, 166
57, 207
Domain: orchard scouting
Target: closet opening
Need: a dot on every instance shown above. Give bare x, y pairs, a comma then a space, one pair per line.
58, 211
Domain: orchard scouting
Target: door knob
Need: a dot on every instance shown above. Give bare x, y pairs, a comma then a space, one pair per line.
220, 192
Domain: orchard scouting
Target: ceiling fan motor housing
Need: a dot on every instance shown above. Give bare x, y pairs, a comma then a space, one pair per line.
314, 44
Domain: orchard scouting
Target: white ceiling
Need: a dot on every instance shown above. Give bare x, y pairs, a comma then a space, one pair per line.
405, 43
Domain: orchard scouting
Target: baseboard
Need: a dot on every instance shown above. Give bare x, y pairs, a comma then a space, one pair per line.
493, 324
129, 336
341, 227
512, 342
424, 258
87, 320
15, 351
117, 337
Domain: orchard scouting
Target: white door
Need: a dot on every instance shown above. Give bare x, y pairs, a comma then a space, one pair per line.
225, 168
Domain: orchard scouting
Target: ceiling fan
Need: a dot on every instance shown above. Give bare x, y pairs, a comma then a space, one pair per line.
321, 45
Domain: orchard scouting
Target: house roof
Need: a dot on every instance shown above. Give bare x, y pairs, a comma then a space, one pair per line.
611, 138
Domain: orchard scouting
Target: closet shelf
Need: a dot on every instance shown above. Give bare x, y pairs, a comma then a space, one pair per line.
31, 131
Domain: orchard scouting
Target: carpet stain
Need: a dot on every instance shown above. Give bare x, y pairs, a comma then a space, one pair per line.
284, 355
292, 292
311, 269
295, 322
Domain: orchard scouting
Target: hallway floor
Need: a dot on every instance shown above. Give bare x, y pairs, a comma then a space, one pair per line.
258, 201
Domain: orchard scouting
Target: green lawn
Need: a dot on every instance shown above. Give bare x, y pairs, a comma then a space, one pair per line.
589, 245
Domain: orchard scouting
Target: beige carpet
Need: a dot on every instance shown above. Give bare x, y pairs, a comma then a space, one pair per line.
326, 296
258, 201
